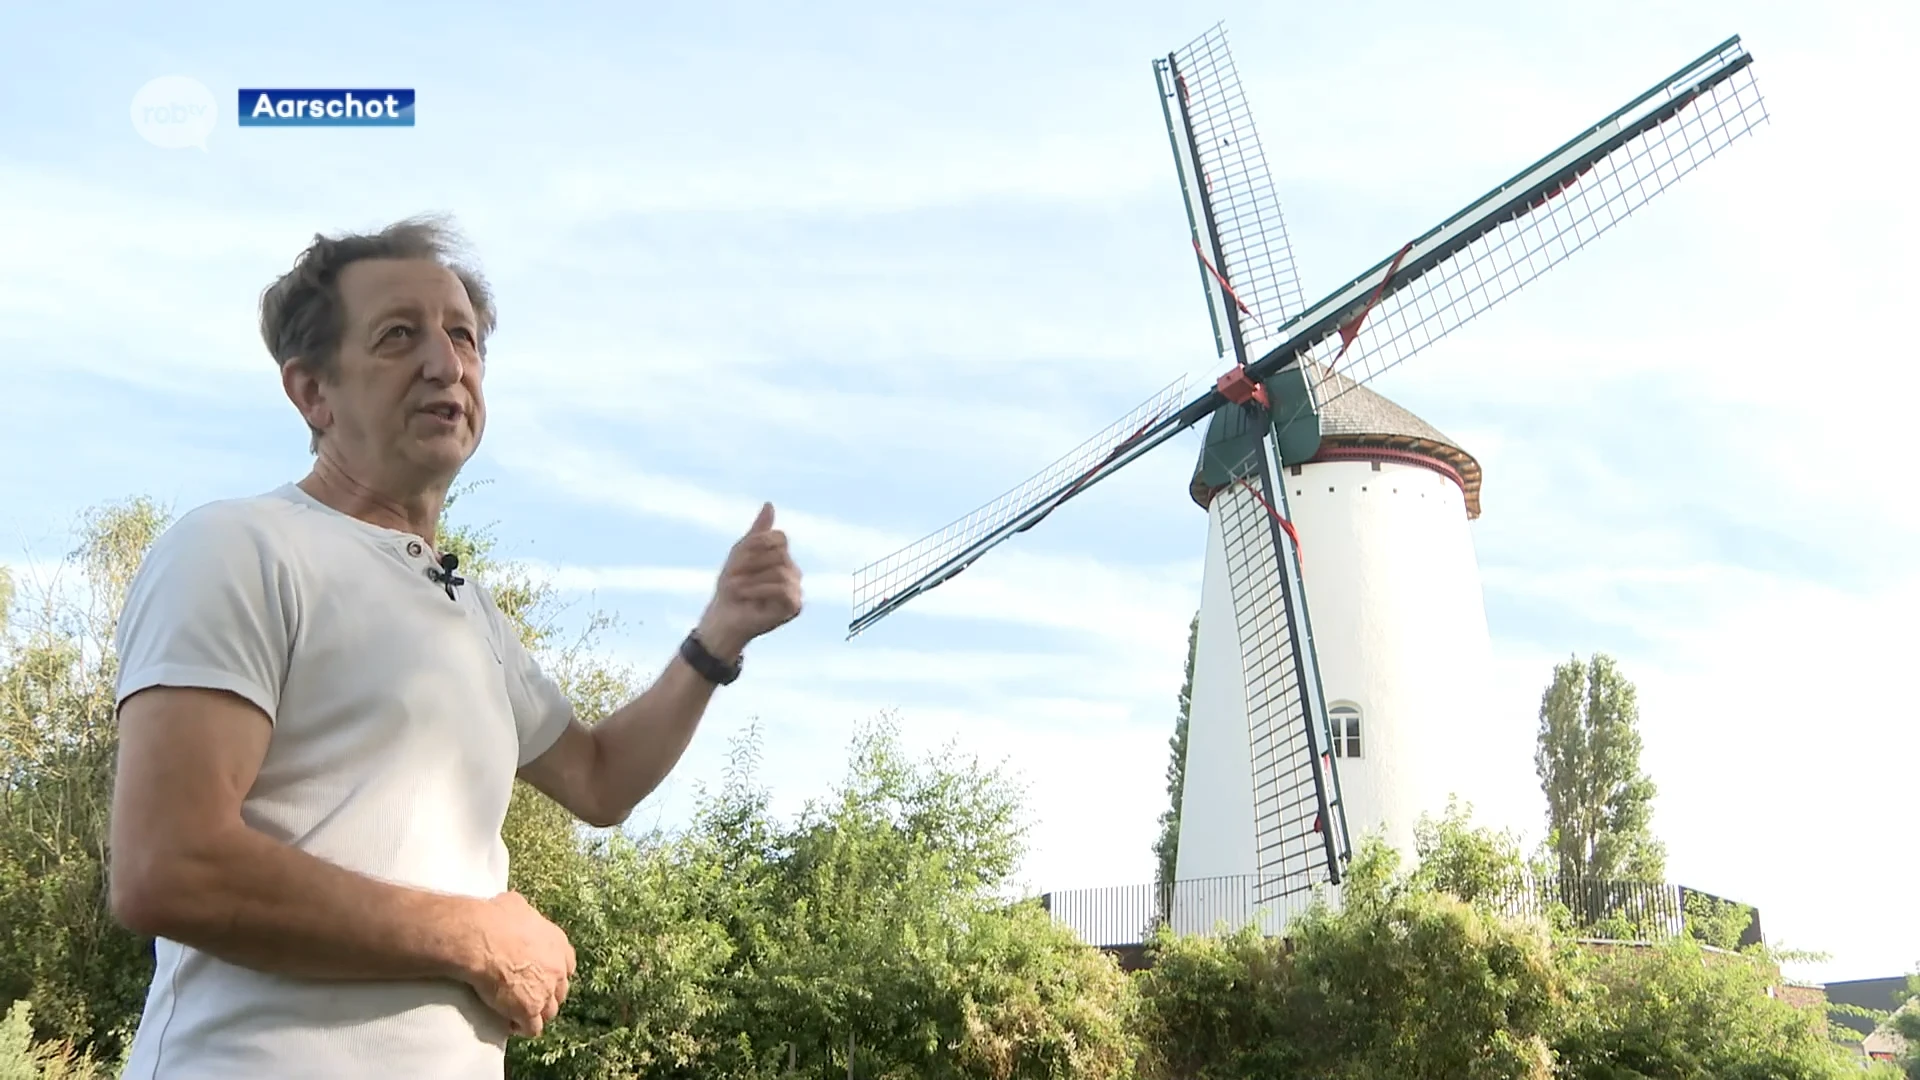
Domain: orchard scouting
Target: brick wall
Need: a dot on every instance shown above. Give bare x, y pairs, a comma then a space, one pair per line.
1812, 998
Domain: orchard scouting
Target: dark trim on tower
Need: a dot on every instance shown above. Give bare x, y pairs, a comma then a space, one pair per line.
1377, 453
1449, 461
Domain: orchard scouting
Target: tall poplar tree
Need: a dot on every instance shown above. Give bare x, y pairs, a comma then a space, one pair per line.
1599, 802
1166, 850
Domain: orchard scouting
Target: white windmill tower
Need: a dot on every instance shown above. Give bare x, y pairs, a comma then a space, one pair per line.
1397, 630
1381, 511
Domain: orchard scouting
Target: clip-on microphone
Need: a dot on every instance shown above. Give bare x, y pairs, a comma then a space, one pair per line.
444, 573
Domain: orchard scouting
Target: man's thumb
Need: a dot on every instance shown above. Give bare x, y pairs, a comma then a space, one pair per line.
764, 521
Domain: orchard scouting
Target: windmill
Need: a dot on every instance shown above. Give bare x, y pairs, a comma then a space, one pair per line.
1293, 364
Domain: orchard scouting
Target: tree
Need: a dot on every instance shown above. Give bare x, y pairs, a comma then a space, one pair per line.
1904, 1022
82, 975
1599, 803
1166, 849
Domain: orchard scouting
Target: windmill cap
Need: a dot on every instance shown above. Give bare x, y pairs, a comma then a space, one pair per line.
1358, 420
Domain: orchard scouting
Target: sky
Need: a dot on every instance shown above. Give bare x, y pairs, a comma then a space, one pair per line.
878, 263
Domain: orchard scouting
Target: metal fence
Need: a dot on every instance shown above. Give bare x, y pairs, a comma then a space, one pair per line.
1123, 915
1613, 908
1126, 914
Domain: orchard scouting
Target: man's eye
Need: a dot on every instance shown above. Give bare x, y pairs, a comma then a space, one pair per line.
391, 331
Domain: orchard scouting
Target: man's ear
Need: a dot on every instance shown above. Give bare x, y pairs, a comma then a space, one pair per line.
308, 392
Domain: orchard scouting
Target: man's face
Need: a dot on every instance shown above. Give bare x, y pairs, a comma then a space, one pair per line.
403, 405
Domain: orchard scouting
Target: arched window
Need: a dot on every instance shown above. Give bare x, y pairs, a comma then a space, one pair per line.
1344, 719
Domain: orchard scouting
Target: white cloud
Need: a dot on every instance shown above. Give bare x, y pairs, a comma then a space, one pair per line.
570, 468
153, 283
668, 391
903, 173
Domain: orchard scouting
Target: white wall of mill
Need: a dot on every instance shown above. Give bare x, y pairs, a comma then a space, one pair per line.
1393, 589
1216, 795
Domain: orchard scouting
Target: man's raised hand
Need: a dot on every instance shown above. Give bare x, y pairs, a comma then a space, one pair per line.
758, 590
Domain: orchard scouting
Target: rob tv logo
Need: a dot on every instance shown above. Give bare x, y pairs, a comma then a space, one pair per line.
326, 108
174, 112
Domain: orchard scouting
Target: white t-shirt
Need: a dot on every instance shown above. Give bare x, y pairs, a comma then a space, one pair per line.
400, 718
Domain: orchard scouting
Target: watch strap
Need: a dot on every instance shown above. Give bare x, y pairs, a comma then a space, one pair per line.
711, 668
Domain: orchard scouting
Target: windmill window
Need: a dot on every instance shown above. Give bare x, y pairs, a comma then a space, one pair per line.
1345, 722
1295, 469
1376, 466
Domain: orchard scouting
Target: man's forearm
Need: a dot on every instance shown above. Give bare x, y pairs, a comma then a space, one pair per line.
640, 743
251, 900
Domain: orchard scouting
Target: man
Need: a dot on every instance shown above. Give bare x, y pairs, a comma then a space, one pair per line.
321, 722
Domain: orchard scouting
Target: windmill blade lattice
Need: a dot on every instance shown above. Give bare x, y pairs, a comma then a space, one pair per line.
1249, 228
1527, 226
933, 559
1299, 825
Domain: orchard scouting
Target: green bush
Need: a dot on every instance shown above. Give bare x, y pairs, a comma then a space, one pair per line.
1402, 981
1681, 1010
872, 931
1409, 980
24, 1058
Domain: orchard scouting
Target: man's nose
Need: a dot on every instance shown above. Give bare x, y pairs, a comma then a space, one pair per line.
442, 363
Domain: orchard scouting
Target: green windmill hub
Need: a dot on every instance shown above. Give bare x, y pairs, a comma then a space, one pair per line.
1234, 432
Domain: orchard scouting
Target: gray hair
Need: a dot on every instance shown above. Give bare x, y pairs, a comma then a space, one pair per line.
302, 317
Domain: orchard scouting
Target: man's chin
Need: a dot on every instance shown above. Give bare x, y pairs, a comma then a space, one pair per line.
445, 457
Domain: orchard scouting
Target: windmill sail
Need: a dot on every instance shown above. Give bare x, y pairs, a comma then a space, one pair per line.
1526, 226
1299, 823
1247, 269
1406, 302
880, 587
1239, 234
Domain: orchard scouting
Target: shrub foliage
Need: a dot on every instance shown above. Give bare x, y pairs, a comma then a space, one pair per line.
878, 932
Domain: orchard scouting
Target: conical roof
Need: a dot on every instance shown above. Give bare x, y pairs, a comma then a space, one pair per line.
1353, 416
1356, 422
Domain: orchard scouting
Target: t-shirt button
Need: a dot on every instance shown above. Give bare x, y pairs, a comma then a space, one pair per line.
413, 548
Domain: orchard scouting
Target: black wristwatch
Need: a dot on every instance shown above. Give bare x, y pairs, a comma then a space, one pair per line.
711, 668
